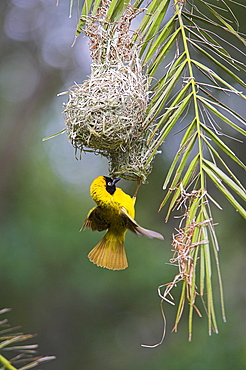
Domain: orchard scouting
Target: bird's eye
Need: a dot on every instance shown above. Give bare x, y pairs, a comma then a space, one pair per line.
109, 183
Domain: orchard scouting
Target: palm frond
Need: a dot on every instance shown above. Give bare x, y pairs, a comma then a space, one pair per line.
199, 64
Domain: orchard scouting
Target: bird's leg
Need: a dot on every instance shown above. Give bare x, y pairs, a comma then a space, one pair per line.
138, 186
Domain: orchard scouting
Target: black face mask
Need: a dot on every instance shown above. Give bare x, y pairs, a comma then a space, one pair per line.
110, 184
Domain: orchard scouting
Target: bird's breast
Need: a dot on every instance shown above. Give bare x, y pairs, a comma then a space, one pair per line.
111, 204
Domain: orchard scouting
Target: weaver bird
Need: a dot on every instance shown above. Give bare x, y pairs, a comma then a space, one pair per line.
114, 213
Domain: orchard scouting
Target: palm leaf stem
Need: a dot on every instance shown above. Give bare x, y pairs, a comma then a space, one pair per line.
193, 89
6, 363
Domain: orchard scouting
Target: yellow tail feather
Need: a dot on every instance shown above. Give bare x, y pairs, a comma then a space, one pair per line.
110, 252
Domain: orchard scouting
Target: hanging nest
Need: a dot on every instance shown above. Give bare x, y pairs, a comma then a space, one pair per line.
107, 113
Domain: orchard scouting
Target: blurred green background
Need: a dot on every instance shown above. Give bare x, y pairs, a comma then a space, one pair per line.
88, 317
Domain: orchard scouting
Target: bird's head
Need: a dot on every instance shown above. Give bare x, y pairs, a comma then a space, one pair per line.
102, 183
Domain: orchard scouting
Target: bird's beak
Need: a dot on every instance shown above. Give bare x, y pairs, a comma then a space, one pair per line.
115, 181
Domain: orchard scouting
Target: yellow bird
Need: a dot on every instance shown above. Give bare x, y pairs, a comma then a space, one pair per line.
114, 213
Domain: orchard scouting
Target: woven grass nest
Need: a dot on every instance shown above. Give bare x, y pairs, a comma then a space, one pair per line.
106, 114
107, 110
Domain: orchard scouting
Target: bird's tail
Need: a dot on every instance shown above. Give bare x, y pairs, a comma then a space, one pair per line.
110, 252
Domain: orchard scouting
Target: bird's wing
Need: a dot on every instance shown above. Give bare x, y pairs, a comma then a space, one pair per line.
94, 220
133, 226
